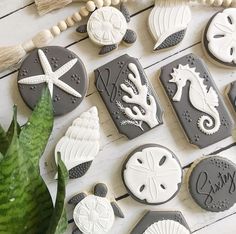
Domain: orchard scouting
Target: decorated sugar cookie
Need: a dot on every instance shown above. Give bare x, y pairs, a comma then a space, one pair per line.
220, 38
107, 27
59, 69
232, 94
212, 183
94, 213
80, 145
152, 174
168, 22
162, 222
196, 101
128, 96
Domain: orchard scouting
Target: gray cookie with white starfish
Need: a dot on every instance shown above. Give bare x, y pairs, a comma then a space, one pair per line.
94, 213
59, 69
108, 27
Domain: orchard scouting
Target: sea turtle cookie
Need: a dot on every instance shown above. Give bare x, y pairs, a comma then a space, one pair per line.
196, 101
212, 183
128, 96
94, 213
108, 27
232, 94
168, 22
59, 69
80, 145
219, 38
162, 222
152, 174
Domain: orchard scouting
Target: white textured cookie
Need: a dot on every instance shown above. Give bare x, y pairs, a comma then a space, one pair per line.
152, 174
219, 38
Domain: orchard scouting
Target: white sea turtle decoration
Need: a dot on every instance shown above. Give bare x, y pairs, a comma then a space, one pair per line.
107, 27
94, 213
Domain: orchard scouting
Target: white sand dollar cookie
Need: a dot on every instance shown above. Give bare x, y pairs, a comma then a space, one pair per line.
220, 38
108, 27
152, 174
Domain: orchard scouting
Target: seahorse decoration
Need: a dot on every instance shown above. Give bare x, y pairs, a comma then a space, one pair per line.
202, 99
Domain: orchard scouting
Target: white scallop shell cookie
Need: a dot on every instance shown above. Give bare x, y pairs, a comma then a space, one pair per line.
152, 174
80, 145
167, 227
220, 38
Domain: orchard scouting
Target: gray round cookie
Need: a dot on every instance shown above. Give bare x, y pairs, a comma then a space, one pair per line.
58, 66
212, 184
152, 174
222, 29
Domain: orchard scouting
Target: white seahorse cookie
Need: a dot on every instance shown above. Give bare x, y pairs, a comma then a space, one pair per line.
196, 100
202, 99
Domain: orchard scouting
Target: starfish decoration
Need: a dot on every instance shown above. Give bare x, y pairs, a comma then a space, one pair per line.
50, 77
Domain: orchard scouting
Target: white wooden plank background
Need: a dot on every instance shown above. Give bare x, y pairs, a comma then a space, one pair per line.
19, 21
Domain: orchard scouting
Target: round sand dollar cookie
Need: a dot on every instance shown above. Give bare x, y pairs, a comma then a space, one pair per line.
212, 183
220, 38
61, 71
152, 174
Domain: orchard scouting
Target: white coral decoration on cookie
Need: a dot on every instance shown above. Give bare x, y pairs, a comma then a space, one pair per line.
94, 215
81, 141
221, 36
141, 98
50, 77
167, 227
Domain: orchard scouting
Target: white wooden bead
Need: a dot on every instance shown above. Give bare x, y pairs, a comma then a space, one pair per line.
62, 25
70, 22
83, 11
77, 17
218, 2
56, 30
106, 2
98, 3
115, 2
90, 5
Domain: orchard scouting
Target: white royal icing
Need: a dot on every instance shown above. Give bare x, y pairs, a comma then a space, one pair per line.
50, 77
94, 215
168, 17
167, 227
81, 141
202, 99
221, 36
149, 180
141, 97
106, 26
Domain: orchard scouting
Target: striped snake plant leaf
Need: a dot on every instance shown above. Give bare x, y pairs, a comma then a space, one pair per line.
59, 222
25, 202
36, 132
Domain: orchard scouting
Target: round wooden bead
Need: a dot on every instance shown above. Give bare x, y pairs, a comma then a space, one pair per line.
218, 2
77, 17
83, 11
106, 2
115, 2
98, 3
56, 30
70, 22
90, 5
62, 25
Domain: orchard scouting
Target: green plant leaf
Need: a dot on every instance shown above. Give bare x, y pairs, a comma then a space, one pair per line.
35, 134
59, 222
3, 141
25, 202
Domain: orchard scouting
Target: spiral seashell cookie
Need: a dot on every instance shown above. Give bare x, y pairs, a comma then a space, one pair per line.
80, 145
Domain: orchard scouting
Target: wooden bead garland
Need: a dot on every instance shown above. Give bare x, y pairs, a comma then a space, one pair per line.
11, 55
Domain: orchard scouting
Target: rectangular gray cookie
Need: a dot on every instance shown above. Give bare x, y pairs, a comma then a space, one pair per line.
131, 102
197, 102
